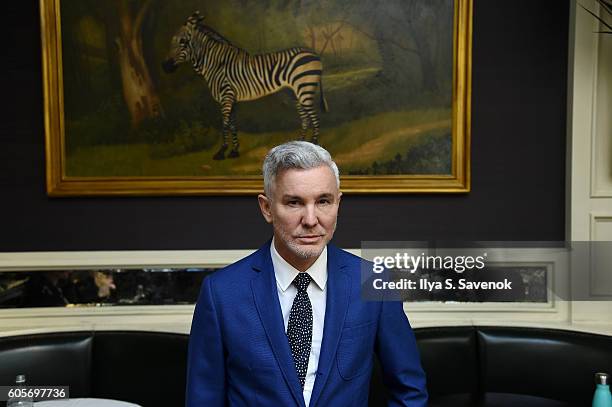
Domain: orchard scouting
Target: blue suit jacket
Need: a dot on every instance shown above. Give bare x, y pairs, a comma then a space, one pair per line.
239, 354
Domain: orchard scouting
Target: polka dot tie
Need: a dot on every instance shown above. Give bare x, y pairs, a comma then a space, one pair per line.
299, 328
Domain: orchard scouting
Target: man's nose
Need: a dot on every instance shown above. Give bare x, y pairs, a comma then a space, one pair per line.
309, 218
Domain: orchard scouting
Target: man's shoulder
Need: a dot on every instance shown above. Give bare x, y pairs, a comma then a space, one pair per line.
350, 262
237, 271
345, 256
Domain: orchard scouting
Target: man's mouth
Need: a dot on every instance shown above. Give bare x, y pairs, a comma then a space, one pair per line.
309, 238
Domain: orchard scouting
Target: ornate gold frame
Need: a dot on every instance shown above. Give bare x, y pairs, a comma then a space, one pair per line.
58, 184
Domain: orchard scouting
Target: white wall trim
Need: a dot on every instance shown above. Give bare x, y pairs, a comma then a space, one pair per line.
177, 318
588, 180
119, 259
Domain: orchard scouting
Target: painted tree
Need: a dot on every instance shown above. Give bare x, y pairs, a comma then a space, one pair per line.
104, 48
406, 28
421, 19
139, 93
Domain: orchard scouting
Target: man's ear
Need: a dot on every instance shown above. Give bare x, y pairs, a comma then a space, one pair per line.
265, 206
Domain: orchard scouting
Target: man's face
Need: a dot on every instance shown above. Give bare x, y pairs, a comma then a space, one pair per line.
303, 210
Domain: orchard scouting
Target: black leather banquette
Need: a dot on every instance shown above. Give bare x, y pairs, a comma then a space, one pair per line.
465, 366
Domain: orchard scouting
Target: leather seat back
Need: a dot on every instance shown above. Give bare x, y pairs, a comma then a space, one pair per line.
465, 366
554, 364
146, 368
56, 359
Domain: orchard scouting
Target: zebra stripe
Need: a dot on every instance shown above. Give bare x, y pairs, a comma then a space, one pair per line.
233, 75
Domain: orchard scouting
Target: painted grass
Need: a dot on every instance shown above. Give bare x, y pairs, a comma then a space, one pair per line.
354, 145
337, 81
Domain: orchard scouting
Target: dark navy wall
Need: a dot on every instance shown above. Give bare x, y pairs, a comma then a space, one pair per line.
518, 157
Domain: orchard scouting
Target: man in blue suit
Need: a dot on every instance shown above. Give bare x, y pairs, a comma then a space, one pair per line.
286, 326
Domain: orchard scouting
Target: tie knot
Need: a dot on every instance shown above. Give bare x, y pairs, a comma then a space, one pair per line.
301, 281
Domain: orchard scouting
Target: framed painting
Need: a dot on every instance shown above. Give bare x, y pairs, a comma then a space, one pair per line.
152, 97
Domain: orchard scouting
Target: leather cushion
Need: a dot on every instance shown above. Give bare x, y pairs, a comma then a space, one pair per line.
145, 368
57, 359
554, 364
449, 358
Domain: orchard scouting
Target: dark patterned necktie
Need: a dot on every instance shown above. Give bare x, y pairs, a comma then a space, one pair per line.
299, 328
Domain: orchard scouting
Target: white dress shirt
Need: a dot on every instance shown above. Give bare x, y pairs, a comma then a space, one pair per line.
285, 274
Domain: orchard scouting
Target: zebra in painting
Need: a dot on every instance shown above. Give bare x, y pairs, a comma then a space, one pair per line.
233, 75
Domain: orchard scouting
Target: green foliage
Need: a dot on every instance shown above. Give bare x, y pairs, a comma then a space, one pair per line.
106, 125
355, 145
186, 138
171, 137
272, 113
168, 136
432, 156
253, 25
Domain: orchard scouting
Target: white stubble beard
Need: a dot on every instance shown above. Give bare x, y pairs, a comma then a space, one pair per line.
304, 253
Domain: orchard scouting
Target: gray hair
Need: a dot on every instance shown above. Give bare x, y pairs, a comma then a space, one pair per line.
295, 154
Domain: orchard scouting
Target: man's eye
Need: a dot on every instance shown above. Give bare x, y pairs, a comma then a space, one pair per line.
324, 202
293, 203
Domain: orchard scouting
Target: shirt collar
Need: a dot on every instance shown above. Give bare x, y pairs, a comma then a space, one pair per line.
285, 273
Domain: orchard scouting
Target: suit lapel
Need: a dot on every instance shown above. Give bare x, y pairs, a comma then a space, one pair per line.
335, 312
268, 307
